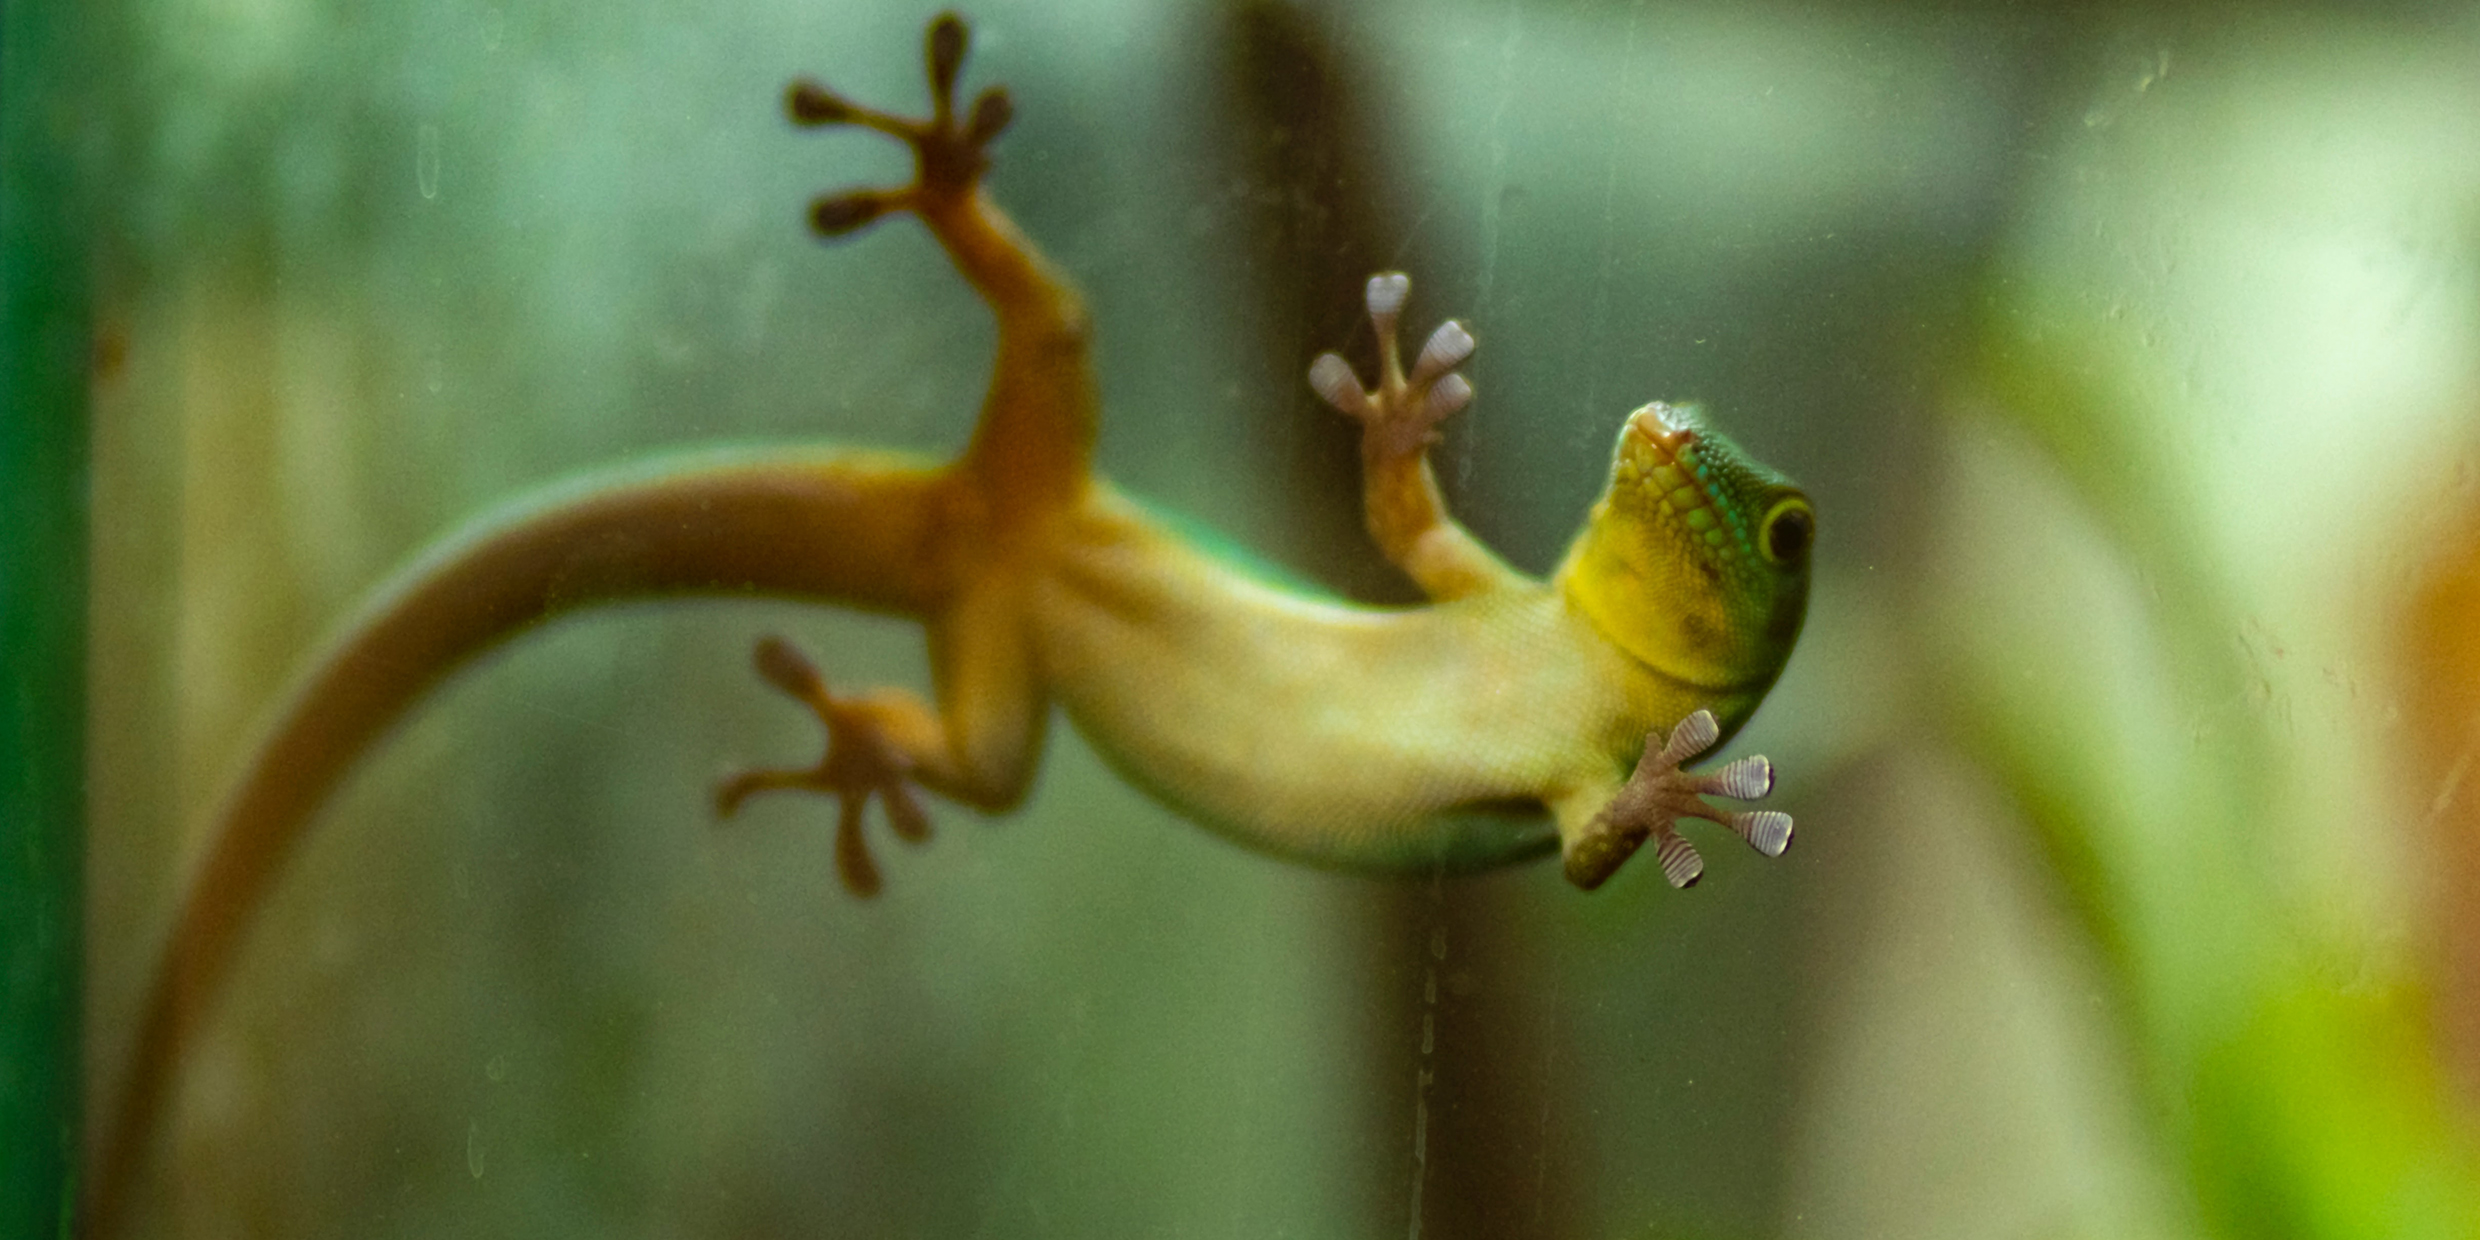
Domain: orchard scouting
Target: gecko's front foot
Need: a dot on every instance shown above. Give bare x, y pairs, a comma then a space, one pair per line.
948, 158
1399, 418
860, 762
1659, 794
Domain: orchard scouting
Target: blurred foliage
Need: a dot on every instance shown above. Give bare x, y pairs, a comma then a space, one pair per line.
2303, 1106
2163, 326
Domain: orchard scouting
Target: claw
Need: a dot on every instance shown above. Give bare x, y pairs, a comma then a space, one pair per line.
1659, 794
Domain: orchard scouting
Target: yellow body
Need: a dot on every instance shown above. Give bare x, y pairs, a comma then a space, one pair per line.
1344, 735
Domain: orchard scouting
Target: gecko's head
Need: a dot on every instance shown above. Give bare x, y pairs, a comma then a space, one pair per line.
1696, 560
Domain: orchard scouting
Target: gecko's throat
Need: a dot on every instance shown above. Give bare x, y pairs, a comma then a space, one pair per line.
1696, 560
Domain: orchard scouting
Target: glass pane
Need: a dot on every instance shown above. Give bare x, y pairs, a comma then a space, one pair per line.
2127, 361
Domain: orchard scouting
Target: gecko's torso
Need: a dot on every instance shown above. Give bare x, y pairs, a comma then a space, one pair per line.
1344, 735
1310, 727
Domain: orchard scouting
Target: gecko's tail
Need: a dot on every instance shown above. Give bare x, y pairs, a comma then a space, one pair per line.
849, 528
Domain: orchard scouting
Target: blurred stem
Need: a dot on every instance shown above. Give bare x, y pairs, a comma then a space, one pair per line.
2441, 694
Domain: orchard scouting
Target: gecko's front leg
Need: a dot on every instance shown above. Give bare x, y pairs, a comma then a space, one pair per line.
1399, 418
1658, 794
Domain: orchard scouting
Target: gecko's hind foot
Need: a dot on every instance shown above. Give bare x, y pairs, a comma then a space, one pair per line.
949, 156
1659, 794
860, 763
1400, 417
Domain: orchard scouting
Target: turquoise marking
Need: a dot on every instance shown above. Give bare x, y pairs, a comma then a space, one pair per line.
1238, 556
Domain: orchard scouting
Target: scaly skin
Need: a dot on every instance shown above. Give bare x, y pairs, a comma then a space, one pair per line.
1353, 737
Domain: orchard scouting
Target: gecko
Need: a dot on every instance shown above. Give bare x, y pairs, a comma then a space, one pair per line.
1507, 718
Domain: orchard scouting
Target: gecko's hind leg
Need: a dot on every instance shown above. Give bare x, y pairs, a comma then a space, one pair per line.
977, 746
1033, 445
861, 762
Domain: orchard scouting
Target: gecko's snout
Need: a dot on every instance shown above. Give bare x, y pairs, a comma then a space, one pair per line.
1663, 423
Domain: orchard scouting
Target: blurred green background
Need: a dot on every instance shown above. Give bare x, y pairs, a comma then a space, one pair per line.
2132, 357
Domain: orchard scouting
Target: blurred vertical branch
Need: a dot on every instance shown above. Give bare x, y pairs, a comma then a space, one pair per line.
1443, 1035
1313, 158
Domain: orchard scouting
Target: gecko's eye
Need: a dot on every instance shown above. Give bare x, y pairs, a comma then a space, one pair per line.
1788, 530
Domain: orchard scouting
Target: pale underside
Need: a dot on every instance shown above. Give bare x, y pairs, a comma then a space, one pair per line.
1344, 735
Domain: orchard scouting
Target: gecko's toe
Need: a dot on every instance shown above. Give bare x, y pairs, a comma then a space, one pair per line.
1767, 830
1743, 780
1694, 735
1446, 398
1385, 295
1332, 379
811, 105
852, 853
839, 214
991, 114
944, 46
1680, 864
1447, 348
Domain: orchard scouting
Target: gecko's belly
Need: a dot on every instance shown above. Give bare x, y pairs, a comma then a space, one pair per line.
1341, 735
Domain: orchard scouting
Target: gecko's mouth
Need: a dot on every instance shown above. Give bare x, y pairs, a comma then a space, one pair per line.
1661, 433
1660, 461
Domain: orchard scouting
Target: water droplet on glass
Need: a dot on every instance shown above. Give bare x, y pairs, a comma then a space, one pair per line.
497, 1069
473, 1147
426, 161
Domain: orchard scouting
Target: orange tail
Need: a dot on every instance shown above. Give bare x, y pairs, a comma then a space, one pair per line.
849, 528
